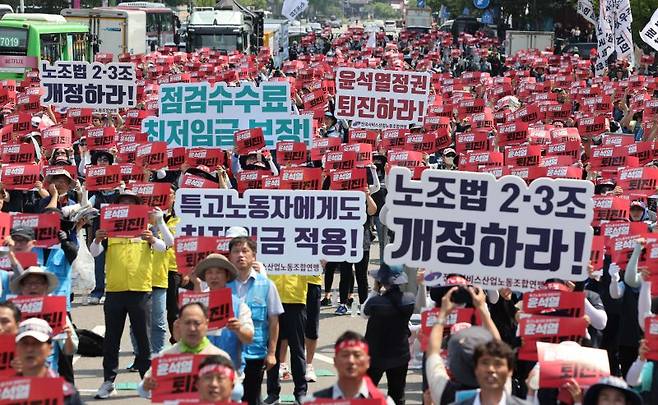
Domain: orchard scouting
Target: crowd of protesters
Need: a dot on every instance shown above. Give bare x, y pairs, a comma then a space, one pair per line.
137, 278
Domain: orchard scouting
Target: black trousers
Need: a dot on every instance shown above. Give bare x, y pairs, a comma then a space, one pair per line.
253, 379
172, 301
396, 380
291, 327
346, 284
117, 306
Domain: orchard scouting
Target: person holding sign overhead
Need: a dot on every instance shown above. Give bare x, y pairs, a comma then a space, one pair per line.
128, 287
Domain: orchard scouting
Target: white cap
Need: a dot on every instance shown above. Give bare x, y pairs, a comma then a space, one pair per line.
236, 231
35, 327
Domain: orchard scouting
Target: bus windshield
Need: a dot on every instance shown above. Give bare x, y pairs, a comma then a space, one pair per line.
226, 42
13, 41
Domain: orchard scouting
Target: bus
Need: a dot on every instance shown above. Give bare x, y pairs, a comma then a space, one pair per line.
161, 23
27, 39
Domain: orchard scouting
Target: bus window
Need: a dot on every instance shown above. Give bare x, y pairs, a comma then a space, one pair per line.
13, 41
79, 46
51, 47
167, 21
152, 23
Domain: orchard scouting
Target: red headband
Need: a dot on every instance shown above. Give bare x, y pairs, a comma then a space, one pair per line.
351, 344
219, 369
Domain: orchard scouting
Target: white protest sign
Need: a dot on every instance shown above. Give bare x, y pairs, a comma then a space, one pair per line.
201, 115
649, 33
294, 229
95, 85
374, 98
498, 233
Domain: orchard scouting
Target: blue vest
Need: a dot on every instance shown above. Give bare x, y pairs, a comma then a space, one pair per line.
228, 341
60, 267
256, 300
5, 276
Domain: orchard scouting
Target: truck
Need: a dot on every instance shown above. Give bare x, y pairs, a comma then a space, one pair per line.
419, 19
227, 27
112, 30
277, 34
519, 40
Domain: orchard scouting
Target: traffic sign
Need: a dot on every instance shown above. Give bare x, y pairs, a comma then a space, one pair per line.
481, 4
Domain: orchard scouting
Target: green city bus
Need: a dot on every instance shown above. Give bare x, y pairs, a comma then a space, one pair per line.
27, 39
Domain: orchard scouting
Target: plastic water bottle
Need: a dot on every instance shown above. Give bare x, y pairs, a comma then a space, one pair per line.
334, 298
354, 309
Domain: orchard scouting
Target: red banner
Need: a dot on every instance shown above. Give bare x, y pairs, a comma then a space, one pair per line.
210, 157
175, 377
102, 177
153, 194
291, 153
32, 390
354, 179
56, 137
551, 329
125, 221
152, 156
22, 153
190, 250
218, 302
51, 309
101, 138
248, 140
547, 302
301, 178
7, 353
46, 227
20, 177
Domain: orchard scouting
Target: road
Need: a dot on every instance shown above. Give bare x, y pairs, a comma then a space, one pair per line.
88, 370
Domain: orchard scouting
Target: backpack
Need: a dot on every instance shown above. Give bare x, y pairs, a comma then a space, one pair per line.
91, 344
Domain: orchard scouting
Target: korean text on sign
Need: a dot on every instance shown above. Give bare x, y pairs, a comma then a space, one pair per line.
381, 98
201, 115
293, 228
92, 85
472, 224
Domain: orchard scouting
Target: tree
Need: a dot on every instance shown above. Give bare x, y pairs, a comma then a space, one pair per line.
382, 11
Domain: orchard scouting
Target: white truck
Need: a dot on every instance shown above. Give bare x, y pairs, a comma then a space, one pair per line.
112, 30
519, 40
277, 32
418, 18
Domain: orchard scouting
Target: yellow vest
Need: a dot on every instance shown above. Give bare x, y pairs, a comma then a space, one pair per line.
292, 289
128, 265
162, 260
172, 224
317, 280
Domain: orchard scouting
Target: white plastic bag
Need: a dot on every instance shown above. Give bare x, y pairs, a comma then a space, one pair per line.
82, 270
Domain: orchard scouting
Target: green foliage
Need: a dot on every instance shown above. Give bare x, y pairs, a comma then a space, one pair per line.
254, 4
382, 11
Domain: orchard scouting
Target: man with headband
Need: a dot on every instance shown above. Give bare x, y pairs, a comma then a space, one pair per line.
216, 379
352, 361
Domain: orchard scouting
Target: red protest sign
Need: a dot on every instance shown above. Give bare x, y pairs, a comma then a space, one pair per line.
514, 133
7, 352
131, 137
538, 328
591, 126
552, 161
473, 160
567, 303
393, 138
597, 251
152, 156
175, 377
321, 145
248, 140
405, 159
421, 142
20, 123
471, 141
26, 259
124, 221
429, 317
190, 250
250, 179
301, 178
131, 172
79, 117
20, 177
153, 194
32, 390
271, 182
46, 227
175, 157
210, 157
639, 180
218, 302
340, 160
127, 152
192, 181
291, 153
643, 151
353, 179
561, 363
363, 152
101, 138
17, 154
56, 137
30, 104
51, 309
102, 177
610, 208
615, 229
651, 336
523, 156
612, 157
362, 136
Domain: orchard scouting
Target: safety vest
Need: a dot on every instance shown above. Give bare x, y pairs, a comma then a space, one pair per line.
317, 280
172, 223
228, 341
128, 265
256, 300
60, 267
4, 285
292, 289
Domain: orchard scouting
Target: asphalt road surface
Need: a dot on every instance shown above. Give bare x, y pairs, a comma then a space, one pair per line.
89, 373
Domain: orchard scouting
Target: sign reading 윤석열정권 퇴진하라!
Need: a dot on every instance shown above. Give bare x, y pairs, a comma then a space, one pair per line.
496, 232
294, 229
95, 85
201, 115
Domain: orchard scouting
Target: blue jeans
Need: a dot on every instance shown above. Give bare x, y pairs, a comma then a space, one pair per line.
158, 318
99, 274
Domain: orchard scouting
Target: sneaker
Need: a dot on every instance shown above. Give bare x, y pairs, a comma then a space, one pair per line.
106, 390
341, 310
93, 301
326, 302
349, 302
271, 400
310, 374
284, 372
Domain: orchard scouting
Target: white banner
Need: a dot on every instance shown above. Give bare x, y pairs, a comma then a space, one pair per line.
88, 85
586, 10
605, 37
623, 35
294, 229
649, 33
201, 115
293, 8
498, 233
381, 98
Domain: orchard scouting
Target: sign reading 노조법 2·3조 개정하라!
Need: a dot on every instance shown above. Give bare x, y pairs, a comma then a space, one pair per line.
294, 229
89, 85
496, 232
201, 115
